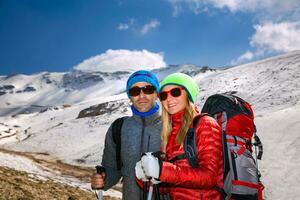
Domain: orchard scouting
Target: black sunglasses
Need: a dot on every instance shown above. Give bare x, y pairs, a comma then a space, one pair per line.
175, 92
135, 91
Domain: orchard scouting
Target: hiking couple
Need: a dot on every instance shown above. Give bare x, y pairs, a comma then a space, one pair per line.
146, 131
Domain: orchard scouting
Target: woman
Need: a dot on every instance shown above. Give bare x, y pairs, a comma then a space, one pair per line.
177, 94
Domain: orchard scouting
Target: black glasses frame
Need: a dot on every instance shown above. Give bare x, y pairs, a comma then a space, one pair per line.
136, 91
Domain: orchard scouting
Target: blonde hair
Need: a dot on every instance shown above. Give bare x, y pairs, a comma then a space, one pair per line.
187, 119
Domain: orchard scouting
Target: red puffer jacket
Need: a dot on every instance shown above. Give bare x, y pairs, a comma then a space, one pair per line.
195, 183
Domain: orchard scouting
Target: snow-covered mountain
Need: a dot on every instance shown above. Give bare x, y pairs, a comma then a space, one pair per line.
30, 93
41, 112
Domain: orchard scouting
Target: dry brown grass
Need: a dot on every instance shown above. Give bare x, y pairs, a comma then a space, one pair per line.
16, 185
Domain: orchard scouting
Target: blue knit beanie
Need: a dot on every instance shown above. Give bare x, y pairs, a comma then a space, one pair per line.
142, 76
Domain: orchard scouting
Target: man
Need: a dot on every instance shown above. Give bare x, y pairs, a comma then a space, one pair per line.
140, 133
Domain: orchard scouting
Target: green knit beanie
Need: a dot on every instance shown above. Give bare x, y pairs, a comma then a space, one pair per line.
183, 80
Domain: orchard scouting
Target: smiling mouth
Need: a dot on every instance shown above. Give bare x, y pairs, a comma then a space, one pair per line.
172, 105
143, 102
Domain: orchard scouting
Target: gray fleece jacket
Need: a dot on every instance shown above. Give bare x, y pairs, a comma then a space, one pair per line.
138, 135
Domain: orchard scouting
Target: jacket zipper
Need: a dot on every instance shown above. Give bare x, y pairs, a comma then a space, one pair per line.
148, 144
142, 137
142, 144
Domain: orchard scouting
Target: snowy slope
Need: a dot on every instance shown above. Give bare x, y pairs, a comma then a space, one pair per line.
45, 120
280, 166
269, 84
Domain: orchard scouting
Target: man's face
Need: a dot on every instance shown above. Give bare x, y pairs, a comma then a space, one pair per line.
143, 102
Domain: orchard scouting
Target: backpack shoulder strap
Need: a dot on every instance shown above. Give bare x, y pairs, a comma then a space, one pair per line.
197, 119
190, 148
116, 134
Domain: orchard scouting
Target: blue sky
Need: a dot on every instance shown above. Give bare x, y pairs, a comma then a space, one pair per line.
61, 35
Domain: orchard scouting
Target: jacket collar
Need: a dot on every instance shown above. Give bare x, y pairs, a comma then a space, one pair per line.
177, 118
148, 120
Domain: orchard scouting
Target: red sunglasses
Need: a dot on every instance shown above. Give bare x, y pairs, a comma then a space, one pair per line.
175, 92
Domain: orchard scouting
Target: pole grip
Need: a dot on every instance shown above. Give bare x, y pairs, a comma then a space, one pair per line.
100, 169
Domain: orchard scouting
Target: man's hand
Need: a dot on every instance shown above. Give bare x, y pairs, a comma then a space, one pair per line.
97, 181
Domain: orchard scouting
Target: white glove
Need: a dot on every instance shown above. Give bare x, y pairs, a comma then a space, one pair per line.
150, 165
139, 172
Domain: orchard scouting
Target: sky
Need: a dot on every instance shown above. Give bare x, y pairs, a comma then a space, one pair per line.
109, 35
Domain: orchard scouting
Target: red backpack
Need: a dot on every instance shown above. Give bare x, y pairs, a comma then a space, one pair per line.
241, 179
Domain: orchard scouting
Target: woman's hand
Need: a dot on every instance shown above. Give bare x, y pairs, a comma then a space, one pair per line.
151, 165
139, 172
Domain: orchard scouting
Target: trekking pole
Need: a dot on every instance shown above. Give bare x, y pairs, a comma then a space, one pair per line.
149, 197
99, 170
144, 190
156, 192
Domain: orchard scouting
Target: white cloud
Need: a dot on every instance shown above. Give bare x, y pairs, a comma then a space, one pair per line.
143, 30
123, 27
272, 37
248, 55
277, 37
149, 26
122, 60
180, 5
198, 6
265, 9
278, 24
177, 8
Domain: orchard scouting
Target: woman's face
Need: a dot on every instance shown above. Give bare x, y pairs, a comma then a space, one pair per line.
173, 103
